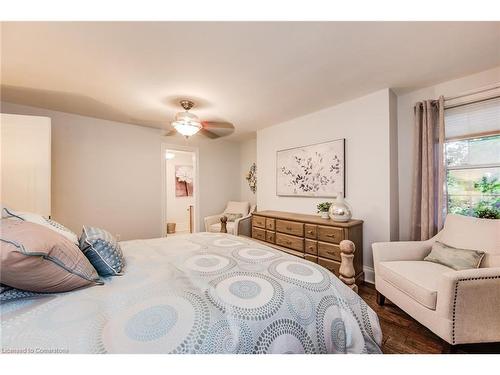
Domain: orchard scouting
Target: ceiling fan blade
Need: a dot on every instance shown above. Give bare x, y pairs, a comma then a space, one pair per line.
217, 125
170, 133
208, 133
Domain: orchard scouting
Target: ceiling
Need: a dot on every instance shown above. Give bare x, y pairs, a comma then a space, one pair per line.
253, 74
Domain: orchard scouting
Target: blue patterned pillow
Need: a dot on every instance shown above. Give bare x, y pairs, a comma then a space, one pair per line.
8, 294
102, 250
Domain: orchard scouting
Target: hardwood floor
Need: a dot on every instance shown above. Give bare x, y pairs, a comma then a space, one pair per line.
404, 335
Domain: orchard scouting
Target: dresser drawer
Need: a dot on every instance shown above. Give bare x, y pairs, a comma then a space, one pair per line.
311, 231
258, 233
269, 224
291, 242
330, 265
270, 236
258, 221
329, 250
311, 247
290, 227
311, 258
330, 234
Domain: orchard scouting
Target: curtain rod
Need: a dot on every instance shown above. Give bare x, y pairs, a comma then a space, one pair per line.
476, 91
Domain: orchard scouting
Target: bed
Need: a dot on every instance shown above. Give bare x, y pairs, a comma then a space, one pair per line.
198, 293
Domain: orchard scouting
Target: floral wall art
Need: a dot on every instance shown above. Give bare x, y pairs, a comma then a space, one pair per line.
251, 178
311, 171
183, 181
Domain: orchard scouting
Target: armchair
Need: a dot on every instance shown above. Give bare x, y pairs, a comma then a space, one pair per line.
241, 226
461, 307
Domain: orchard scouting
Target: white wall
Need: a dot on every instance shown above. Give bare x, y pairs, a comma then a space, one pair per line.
406, 136
25, 163
248, 156
108, 174
177, 207
365, 123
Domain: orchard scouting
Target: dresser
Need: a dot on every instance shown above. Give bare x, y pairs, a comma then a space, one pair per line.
310, 237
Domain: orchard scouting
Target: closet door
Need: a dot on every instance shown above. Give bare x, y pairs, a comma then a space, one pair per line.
25, 163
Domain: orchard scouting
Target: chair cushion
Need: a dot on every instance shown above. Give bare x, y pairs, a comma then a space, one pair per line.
237, 208
216, 227
232, 217
458, 259
418, 279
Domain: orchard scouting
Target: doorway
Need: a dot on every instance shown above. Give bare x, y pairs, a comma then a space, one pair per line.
180, 190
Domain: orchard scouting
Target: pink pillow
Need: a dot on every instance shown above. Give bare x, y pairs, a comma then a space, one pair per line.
38, 259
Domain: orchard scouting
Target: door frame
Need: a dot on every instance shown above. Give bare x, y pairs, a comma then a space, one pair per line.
196, 185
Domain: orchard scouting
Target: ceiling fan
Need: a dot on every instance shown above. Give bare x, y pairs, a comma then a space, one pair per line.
188, 124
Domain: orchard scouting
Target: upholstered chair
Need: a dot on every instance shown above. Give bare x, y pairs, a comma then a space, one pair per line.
240, 226
461, 307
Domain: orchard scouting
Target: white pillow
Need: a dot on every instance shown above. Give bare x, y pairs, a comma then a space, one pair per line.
39, 219
5, 211
237, 208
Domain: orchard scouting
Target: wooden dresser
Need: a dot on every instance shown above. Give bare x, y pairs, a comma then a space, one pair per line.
310, 237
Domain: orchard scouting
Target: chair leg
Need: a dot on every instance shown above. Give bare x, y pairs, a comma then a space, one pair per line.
380, 299
449, 348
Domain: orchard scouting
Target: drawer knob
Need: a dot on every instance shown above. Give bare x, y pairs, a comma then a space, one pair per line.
330, 235
310, 231
288, 228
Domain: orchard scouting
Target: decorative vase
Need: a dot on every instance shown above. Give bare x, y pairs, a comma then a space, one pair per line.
340, 209
325, 215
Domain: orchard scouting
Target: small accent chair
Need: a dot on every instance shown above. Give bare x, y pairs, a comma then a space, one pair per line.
461, 307
241, 226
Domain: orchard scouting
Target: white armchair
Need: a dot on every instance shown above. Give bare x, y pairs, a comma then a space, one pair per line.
241, 226
461, 307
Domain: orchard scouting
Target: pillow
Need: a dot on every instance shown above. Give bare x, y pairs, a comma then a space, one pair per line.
101, 248
232, 217
5, 211
35, 258
39, 219
8, 294
237, 207
458, 259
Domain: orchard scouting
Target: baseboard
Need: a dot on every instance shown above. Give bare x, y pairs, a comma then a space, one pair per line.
369, 274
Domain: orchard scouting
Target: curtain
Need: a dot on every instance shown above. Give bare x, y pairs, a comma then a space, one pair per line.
428, 208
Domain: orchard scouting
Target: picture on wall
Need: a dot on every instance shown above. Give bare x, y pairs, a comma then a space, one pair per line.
311, 171
183, 180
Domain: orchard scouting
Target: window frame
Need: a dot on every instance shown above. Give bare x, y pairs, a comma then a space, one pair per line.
448, 168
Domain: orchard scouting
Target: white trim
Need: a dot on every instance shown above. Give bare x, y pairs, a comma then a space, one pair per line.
369, 274
195, 150
479, 90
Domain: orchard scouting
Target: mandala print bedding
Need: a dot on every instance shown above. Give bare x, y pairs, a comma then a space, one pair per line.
200, 293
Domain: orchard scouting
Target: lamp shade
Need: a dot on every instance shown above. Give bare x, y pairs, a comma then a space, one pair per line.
186, 124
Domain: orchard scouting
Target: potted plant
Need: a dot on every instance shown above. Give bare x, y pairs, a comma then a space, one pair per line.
323, 208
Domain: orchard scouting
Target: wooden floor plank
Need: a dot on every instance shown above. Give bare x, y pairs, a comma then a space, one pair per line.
404, 335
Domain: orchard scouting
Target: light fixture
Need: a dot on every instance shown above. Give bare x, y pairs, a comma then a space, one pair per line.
186, 123
169, 155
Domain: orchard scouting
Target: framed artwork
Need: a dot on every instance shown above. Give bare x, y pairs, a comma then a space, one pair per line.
311, 171
183, 180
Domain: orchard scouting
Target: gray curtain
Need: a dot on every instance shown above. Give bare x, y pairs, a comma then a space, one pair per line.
428, 207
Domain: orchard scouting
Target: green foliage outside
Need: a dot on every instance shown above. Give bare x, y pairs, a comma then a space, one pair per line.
484, 205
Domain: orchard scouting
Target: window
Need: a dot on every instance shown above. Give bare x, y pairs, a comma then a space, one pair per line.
472, 152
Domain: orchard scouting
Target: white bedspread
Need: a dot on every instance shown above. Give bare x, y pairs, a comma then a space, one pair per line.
200, 293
